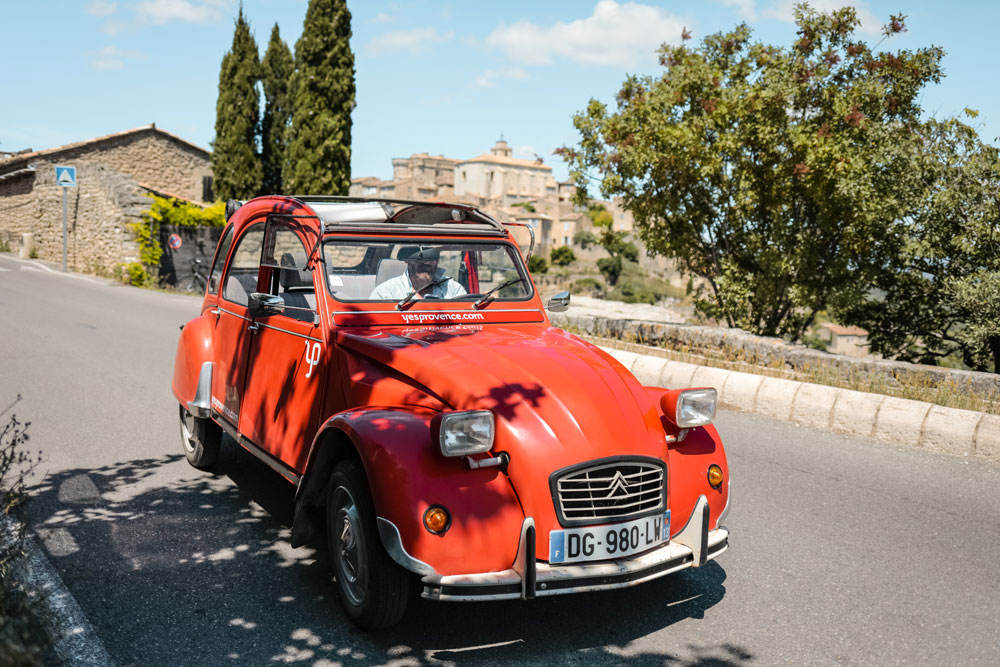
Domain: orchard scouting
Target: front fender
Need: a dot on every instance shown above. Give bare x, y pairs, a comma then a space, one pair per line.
194, 349
687, 469
407, 474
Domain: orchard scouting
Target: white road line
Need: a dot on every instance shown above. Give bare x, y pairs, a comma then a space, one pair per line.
78, 644
3, 269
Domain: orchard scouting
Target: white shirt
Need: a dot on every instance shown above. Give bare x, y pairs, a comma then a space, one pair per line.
399, 287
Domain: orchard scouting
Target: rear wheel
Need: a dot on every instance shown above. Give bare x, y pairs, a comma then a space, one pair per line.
201, 439
374, 590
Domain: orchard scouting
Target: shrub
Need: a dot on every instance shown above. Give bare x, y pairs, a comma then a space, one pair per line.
133, 273
23, 639
562, 256
610, 268
4, 246
584, 239
537, 264
587, 286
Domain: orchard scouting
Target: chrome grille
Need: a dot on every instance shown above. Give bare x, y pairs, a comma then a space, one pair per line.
610, 491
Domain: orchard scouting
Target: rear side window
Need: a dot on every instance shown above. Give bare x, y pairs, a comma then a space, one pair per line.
220, 261
241, 280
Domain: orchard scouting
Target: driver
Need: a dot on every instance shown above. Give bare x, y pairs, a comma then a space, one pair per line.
421, 269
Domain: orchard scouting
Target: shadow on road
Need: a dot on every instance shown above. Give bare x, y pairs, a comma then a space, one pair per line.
175, 566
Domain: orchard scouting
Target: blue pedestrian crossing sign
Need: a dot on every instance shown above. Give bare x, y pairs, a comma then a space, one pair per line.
66, 176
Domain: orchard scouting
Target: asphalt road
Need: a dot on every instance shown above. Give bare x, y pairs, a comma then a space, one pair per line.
844, 551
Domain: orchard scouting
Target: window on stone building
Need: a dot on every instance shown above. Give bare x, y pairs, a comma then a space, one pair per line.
206, 189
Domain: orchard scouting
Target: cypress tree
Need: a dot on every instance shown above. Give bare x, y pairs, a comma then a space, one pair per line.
276, 68
319, 152
235, 162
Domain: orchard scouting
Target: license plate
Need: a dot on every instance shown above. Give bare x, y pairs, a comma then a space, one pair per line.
617, 540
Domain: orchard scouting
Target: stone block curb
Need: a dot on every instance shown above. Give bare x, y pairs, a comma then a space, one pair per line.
900, 421
740, 391
813, 405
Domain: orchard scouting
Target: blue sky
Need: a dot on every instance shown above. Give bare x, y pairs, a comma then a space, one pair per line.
437, 77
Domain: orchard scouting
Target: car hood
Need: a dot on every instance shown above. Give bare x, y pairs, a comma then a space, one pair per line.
558, 400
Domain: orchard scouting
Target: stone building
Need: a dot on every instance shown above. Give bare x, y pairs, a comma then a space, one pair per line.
502, 179
114, 172
852, 341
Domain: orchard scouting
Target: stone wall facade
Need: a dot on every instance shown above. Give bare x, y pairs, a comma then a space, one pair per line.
98, 211
114, 174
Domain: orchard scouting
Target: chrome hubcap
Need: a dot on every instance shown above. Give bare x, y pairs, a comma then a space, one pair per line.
187, 430
349, 551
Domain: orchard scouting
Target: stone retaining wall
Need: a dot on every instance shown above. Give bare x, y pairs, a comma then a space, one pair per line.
896, 420
773, 353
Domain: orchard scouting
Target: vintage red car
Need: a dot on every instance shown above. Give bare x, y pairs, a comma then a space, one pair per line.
394, 361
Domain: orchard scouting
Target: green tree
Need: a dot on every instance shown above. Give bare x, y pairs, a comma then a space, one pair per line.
776, 174
562, 256
940, 294
322, 91
235, 162
277, 68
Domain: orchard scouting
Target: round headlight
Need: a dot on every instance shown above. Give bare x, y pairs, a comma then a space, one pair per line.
715, 476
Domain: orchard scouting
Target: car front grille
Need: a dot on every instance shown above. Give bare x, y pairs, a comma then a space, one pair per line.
609, 490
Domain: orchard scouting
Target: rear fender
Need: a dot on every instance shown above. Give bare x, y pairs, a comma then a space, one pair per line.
687, 469
194, 351
407, 474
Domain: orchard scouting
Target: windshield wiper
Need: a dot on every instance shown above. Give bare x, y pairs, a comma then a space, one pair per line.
412, 295
481, 301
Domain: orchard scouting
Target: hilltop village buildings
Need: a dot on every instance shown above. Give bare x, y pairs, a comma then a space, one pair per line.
115, 172
509, 188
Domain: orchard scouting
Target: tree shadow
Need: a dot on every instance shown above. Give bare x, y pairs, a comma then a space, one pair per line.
177, 566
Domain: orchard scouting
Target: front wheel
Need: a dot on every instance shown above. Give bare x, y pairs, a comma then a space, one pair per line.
202, 439
374, 590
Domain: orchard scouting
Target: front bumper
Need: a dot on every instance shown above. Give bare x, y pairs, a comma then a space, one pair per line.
693, 546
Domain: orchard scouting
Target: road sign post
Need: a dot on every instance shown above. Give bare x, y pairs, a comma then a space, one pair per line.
65, 178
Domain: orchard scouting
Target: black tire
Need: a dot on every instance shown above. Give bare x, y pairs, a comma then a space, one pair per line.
374, 590
201, 439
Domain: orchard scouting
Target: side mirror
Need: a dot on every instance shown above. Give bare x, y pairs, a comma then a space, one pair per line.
558, 303
263, 305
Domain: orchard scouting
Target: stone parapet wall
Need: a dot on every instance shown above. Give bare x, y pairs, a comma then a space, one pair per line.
736, 348
98, 212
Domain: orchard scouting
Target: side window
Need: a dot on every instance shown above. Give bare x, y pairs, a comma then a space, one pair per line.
220, 261
241, 280
290, 280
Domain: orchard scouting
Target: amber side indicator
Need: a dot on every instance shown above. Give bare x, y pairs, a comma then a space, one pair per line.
436, 519
715, 476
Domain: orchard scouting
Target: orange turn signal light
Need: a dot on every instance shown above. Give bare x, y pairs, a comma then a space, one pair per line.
436, 519
715, 476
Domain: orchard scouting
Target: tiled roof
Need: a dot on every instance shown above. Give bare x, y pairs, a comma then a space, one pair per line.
841, 330
512, 161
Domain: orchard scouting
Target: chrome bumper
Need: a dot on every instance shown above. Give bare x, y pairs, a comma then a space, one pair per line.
693, 546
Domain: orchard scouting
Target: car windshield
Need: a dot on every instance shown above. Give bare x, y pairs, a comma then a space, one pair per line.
409, 270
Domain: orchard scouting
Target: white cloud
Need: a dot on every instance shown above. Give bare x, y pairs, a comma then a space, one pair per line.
382, 17
102, 8
746, 8
615, 35
784, 11
113, 27
189, 11
110, 58
413, 40
488, 79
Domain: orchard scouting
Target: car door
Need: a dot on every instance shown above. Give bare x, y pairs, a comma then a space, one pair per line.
283, 390
232, 333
